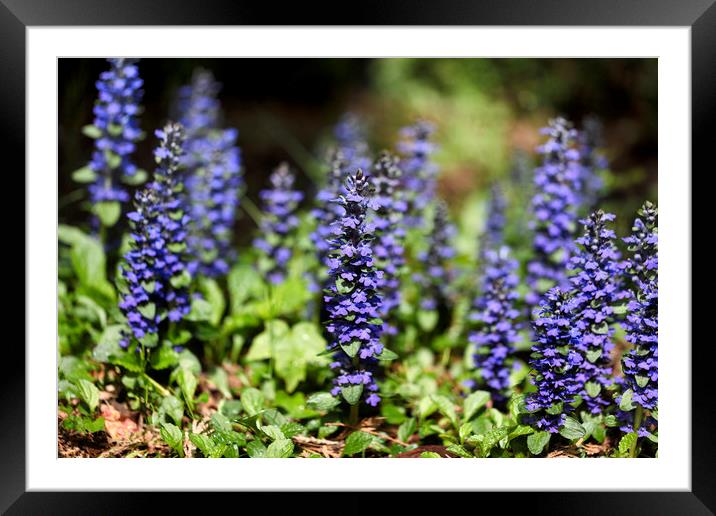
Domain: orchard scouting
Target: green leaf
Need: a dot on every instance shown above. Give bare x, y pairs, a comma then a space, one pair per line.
572, 429
148, 310
89, 393
273, 431
181, 280
611, 421
243, 284
357, 442
139, 177
491, 439
295, 351
213, 295
172, 435
473, 403
92, 131
520, 430
172, 407
460, 451
626, 442
593, 389
594, 354
429, 455
279, 449
537, 441
352, 393
200, 310
108, 212
446, 408
108, 343
187, 383
88, 260
113, 160
204, 443
256, 449
252, 400
164, 357
322, 401
84, 175
351, 349
626, 403
387, 355
427, 319
407, 429
263, 345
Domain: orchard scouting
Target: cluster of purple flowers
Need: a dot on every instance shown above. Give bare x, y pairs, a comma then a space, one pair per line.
352, 300
590, 141
493, 234
349, 155
641, 363
279, 220
555, 362
436, 275
214, 189
116, 126
419, 172
554, 207
496, 315
597, 287
388, 250
155, 265
214, 180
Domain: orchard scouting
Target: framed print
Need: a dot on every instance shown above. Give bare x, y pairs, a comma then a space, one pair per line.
273, 256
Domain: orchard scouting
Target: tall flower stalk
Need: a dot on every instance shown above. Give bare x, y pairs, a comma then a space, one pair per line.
641, 364
554, 208
555, 362
597, 286
493, 233
214, 180
593, 161
494, 316
278, 223
436, 275
349, 155
388, 250
154, 269
115, 130
352, 299
419, 171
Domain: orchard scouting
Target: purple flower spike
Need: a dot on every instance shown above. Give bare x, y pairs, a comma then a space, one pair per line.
388, 246
214, 182
554, 208
419, 172
641, 363
279, 222
597, 286
155, 262
116, 122
437, 274
354, 305
495, 315
555, 362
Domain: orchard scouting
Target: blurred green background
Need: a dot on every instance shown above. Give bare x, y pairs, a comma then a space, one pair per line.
487, 111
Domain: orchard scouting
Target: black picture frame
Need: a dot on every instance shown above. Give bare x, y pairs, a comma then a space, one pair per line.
17, 15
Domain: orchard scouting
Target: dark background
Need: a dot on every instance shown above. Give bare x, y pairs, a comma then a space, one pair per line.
485, 109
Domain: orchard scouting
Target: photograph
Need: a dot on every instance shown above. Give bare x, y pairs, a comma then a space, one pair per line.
385, 257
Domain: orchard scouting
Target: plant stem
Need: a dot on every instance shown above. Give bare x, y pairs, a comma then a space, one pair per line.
638, 413
163, 390
251, 210
353, 417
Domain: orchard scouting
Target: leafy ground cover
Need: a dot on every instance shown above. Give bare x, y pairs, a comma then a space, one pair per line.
355, 324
